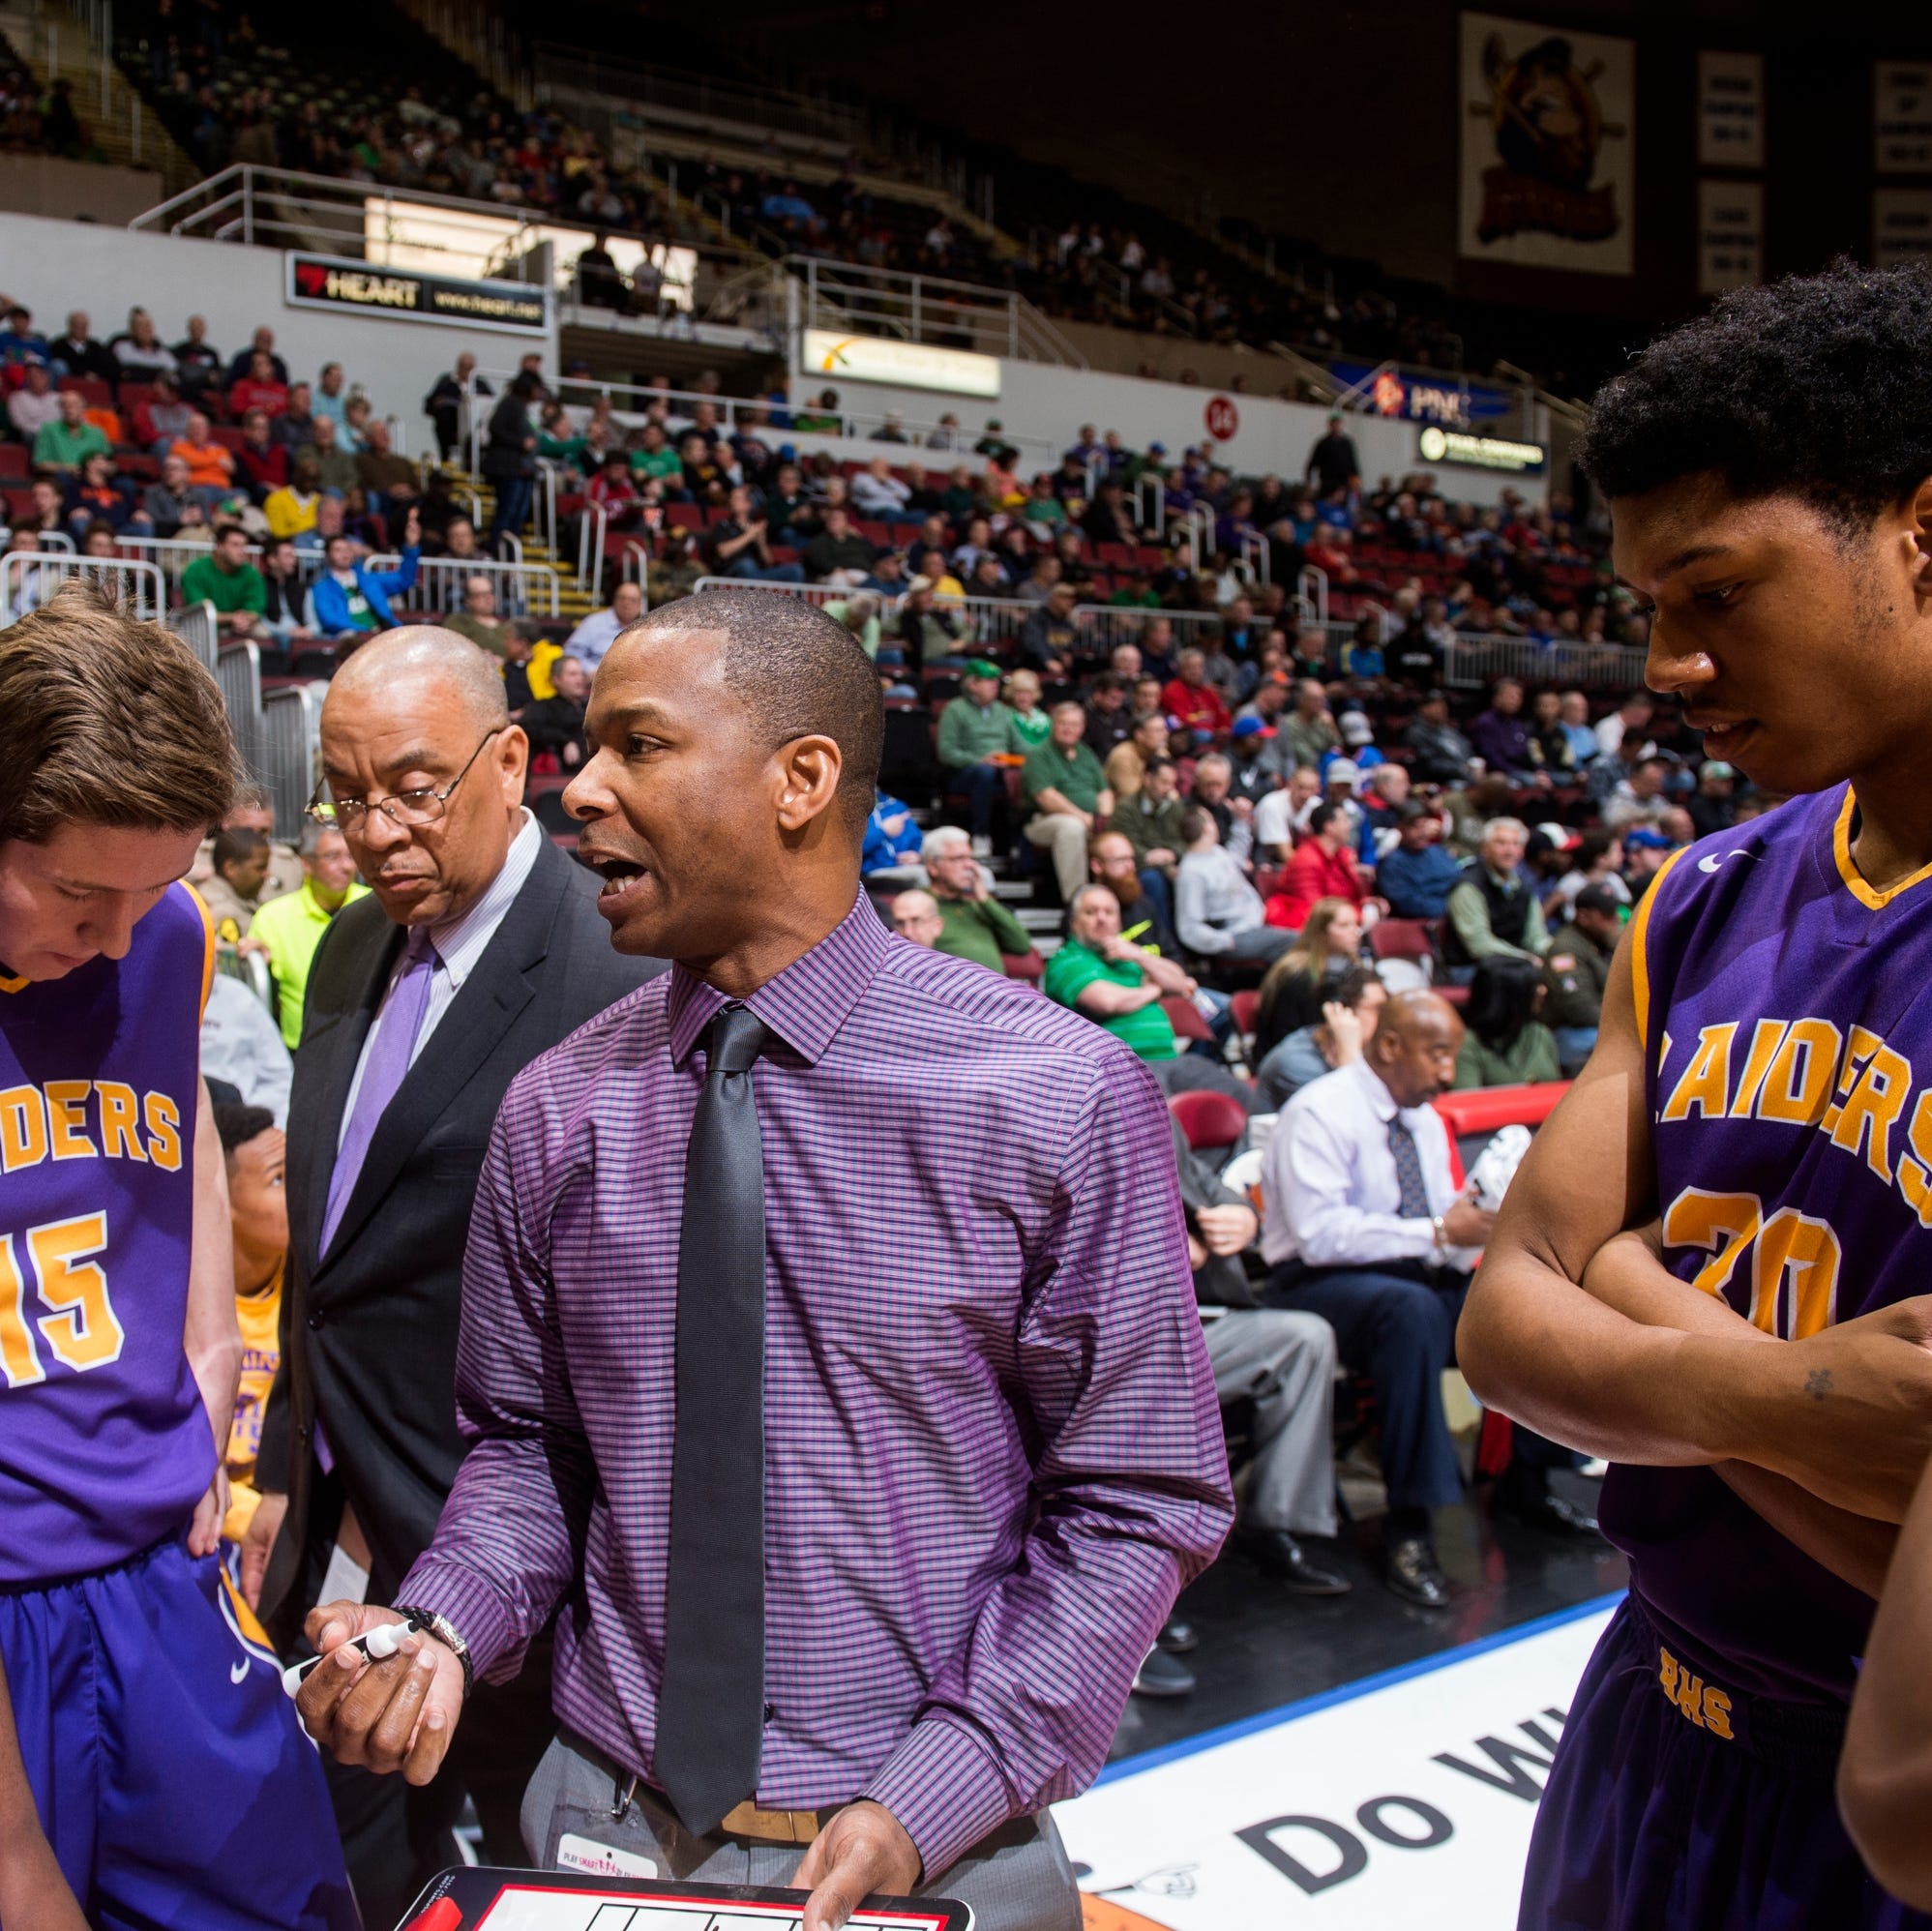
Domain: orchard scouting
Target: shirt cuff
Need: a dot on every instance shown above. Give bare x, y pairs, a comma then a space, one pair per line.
473, 1609
945, 1791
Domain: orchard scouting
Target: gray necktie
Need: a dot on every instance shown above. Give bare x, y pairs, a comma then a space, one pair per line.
1408, 1171
711, 1708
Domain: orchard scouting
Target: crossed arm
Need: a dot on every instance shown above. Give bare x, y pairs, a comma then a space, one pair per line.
1587, 1337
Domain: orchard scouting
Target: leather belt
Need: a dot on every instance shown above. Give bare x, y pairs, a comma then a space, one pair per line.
748, 1821
775, 1826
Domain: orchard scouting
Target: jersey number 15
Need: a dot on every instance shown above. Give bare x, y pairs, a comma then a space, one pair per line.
79, 1327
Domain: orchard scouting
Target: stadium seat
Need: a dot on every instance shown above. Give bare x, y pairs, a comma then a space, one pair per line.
1026, 966
1246, 1006
1211, 1122
1484, 1109
1182, 1012
1400, 938
13, 460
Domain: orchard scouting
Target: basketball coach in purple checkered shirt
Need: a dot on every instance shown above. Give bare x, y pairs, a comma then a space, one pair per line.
829, 1360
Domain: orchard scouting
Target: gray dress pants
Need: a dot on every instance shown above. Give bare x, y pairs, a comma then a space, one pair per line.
1283, 1361
1018, 1879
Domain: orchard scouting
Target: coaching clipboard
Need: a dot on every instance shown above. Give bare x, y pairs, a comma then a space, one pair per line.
482, 1899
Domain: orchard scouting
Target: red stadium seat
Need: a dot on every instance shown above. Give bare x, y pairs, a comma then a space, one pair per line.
1182, 1012
13, 460
1399, 939
1246, 1006
1457, 996
684, 515
1028, 965
1484, 1109
1211, 1122
97, 394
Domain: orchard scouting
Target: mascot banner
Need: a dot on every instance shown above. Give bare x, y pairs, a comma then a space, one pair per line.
1548, 167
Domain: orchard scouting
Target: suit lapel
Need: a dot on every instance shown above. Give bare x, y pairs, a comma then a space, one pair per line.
336, 1049
497, 989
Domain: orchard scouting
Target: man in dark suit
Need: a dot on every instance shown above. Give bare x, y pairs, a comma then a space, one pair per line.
479, 947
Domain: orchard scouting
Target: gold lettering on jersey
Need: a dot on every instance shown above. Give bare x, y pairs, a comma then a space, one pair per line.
120, 1121
23, 1128
1706, 1084
1697, 1702
1914, 1175
1766, 1038
60, 1118
1799, 1082
1873, 1103
67, 1119
163, 1120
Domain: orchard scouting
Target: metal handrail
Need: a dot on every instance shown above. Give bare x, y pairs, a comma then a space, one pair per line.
439, 574
138, 586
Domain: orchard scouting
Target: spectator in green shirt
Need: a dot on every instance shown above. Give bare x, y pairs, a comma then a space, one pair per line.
1063, 784
972, 923
62, 446
1150, 820
655, 456
290, 928
975, 729
228, 580
1507, 1043
1116, 985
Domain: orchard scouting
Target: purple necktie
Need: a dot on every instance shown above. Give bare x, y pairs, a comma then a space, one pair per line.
398, 1023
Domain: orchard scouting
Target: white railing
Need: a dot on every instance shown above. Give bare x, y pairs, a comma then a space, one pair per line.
630, 402
238, 672
291, 743
1471, 662
522, 590
852, 299
995, 619
1312, 587
29, 577
199, 627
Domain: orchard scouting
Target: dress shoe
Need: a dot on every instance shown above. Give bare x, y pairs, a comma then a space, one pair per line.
1160, 1675
1552, 1514
1412, 1572
1176, 1638
1277, 1554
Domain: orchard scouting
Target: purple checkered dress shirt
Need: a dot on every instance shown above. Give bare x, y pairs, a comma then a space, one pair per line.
992, 1449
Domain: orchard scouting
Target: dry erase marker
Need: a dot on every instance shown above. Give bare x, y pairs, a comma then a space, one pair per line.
384, 1640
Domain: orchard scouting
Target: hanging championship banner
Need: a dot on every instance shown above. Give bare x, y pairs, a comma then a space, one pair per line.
1729, 110
1547, 165
1730, 235
1902, 117
1901, 225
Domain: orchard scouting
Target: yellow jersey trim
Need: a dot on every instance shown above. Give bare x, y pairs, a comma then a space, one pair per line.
1640, 949
10, 985
201, 905
1867, 895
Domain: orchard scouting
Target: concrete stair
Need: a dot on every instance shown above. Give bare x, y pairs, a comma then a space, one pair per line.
57, 45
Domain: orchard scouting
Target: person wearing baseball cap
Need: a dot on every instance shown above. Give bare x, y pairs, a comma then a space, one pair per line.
1576, 971
1713, 805
1644, 852
975, 731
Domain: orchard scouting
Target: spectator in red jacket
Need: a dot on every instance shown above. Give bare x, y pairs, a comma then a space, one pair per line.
1320, 867
263, 463
259, 389
1192, 702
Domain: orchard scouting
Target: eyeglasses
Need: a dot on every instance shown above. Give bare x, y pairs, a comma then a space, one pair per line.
408, 807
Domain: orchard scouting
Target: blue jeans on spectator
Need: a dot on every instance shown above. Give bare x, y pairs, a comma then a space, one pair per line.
982, 786
1574, 1045
745, 564
513, 507
1160, 893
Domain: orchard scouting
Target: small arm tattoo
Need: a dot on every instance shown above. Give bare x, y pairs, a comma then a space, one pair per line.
1818, 1384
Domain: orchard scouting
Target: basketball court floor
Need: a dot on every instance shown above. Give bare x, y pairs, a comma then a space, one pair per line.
1350, 1763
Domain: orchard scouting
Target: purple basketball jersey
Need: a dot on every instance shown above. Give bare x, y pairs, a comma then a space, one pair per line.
104, 1443
1785, 1005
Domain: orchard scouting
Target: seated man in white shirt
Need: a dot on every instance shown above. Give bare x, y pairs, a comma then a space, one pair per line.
877, 492
1218, 915
598, 632
1282, 817
1365, 1226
